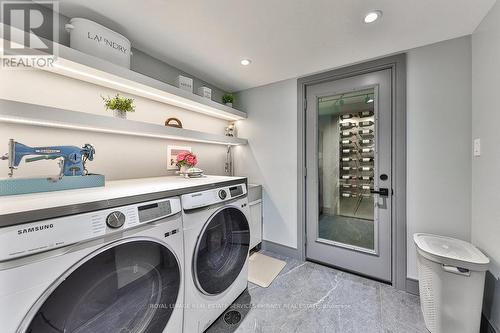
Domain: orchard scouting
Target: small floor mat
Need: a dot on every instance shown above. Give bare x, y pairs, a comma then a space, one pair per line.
262, 269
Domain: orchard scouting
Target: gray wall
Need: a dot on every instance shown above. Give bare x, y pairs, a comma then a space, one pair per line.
485, 180
147, 65
438, 142
270, 158
439, 166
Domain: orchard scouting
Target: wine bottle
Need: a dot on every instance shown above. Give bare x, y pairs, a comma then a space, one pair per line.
346, 134
365, 114
347, 125
367, 150
365, 123
366, 141
366, 159
346, 116
365, 168
365, 131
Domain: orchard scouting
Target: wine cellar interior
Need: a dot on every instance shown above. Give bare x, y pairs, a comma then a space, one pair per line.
347, 167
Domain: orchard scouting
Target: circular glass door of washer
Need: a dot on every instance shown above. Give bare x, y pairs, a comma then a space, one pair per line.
132, 287
221, 251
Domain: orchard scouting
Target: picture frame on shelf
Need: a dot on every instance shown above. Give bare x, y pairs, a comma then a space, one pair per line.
172, 152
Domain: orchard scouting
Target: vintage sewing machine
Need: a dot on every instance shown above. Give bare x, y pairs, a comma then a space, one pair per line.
72, 162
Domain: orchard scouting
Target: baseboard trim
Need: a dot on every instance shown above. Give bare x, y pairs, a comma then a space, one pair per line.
486, 326
281, 249
412, 286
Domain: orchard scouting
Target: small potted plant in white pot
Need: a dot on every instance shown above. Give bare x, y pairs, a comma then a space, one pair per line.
228, 100
120, 105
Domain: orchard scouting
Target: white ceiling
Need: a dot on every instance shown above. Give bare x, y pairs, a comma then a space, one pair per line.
284, 38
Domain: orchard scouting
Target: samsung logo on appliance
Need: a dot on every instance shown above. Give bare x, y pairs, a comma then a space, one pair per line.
35, 229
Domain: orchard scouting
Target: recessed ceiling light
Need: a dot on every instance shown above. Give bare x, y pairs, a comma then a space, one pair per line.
246, 62
373, 16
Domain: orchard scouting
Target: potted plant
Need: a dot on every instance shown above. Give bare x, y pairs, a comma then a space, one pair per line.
228, 99
186, 160
120, 105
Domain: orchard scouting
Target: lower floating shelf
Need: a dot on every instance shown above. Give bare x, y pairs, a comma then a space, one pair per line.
37, 115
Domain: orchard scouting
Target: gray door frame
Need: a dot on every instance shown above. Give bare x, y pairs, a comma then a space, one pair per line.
397, 64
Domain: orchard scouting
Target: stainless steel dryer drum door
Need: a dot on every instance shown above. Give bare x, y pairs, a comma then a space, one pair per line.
128, 287
221, 250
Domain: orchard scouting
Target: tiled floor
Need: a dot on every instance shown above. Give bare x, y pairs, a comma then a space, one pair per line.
307, 297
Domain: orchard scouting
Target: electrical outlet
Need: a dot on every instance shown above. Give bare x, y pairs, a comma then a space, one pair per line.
477, 147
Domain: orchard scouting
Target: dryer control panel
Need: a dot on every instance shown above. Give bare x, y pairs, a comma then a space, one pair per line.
30, 238
214, 196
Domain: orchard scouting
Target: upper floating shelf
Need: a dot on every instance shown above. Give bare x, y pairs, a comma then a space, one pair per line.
37, 115
78, 65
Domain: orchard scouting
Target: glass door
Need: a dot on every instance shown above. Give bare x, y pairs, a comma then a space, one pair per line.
346, 168
349, 174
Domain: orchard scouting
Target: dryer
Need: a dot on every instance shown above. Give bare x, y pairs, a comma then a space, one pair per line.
216, 246
112, 270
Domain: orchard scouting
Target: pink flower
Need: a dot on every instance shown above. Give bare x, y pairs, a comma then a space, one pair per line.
182, 156
191, 160
186, 158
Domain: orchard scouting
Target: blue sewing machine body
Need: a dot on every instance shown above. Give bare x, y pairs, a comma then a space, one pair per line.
73, 173
73, 157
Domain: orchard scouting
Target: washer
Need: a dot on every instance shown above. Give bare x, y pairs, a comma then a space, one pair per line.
216, 244
113, 270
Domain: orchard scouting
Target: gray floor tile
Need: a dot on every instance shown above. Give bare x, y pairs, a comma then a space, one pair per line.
307, 297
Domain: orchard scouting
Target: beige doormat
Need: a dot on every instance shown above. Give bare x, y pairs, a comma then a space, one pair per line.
262, 269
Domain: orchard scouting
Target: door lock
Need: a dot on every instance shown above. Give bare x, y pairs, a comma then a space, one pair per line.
381, 191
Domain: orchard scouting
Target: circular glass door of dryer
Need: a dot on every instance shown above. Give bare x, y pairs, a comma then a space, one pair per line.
221, 251
131, 287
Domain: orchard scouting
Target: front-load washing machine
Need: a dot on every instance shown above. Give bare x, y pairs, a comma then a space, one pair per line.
216, 243
111, 270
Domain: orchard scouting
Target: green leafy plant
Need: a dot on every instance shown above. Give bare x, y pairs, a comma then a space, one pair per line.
228, 98
119, 103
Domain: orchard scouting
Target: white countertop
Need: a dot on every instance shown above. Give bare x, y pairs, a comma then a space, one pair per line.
113, 189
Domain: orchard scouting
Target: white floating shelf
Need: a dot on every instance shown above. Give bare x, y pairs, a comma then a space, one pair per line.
78, 65
37, 115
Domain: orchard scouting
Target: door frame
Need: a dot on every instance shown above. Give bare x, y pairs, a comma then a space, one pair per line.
397, 64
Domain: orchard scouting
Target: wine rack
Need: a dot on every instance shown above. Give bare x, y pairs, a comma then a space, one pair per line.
356, 156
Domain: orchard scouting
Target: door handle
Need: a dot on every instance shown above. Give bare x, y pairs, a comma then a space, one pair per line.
381, 191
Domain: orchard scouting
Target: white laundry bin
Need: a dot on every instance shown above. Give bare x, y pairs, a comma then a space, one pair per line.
451, 276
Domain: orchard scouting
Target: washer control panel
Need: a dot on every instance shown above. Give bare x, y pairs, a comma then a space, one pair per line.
154, 211
115, 220
222, 194
210, 197
30, 238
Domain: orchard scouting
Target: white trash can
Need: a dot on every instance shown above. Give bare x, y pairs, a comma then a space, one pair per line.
451, 281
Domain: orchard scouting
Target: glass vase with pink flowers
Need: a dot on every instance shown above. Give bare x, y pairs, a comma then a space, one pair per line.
186, 160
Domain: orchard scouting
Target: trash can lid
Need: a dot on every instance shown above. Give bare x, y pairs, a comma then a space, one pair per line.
451, 251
